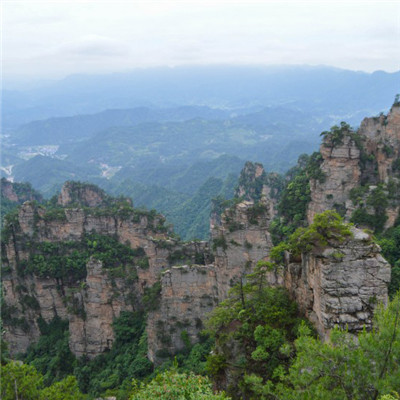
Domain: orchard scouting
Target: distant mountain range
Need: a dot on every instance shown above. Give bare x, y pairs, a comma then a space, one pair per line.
179, 134
320, 89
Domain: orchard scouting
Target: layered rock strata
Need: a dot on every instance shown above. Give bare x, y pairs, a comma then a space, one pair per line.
340, 284
367, 157
188, 294
90, 303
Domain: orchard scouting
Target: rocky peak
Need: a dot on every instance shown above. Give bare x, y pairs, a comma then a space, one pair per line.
7, 190
256, 185
84, 195
84, 264
18, 192
340, 284
341, 169
382, 140
369, 157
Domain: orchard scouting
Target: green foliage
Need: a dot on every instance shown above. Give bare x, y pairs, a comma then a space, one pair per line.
334, 137
10, 226
252, 328
22, 381
327, 227
22, 191
55, 214
378, 201
389, 397
357, 194
67, 260
390, 245
344, 367
111, 372
396, 165
8, 318
151, 297
313, 167
295, 199
293, 203
172, 385
67, 389
277, 252
51, 355
184, 256
191, 218
126, 358
252, 185
220, 242
256, 211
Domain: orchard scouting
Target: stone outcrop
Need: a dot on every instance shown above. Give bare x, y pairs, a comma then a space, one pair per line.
83, 194
90, 306
18, 192
188, 294
366, 157
98, 301
240, 240
382, 139
342, 171
340, 284
90, 303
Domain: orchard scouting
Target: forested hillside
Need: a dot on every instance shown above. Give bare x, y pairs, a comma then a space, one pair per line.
288, 300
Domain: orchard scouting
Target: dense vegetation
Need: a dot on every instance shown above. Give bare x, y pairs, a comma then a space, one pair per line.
22, 193
124, 370
342, 368
295, 196
268, 364
263, 348
251, 328
67, 260
326, 228
390, 244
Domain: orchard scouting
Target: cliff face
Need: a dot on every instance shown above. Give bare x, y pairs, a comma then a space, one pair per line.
382, 136
239, 238
98, 300
18, 192
340, 284
342, 171
368, 157
83, 194
92, 298
239, 241
188, 294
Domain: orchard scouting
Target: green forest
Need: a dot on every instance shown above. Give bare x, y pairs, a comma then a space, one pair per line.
256, 344
257, 337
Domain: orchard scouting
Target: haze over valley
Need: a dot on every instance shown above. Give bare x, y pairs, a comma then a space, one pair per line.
168, 136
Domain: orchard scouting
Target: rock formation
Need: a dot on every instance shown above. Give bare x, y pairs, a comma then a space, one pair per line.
342, 171
18, 192
188, 293
368, 157
92, 301
338, 284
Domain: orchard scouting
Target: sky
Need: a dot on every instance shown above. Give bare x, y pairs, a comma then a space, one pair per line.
52, 39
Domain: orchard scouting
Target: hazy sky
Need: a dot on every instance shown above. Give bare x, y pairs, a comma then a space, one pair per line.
56, 38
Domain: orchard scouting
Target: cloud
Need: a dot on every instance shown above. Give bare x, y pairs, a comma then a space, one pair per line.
56, 38
93, 46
